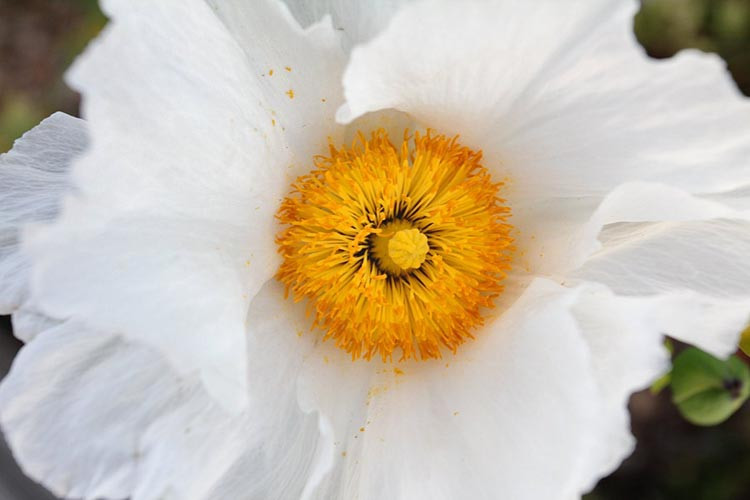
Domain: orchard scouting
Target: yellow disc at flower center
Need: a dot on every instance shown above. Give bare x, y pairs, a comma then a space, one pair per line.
408, 248
396, 248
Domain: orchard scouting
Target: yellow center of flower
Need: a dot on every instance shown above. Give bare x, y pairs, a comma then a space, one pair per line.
408, 248
397, 248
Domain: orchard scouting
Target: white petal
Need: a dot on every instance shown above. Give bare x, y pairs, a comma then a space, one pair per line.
704, 256
186, 451
33, 176
287, 438
561, 98
360, 20
74, 405
712, 324
309, 61
518, 413
627, 355
28, 322
194, 143
171, 283
467, 61
739, 198
200, 453
91, 415
557, 236
694, 270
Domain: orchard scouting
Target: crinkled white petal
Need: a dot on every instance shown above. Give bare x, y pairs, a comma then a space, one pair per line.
627, 355
359, 20
28, 322
74, 405
738, 198
689, 266
288, 439
554, 239
459, 67
270, 451
171, 283
194, 143
524, 411
644, 259
694, 270
298, 72
560, 97
186, 451
33, 176
92, 415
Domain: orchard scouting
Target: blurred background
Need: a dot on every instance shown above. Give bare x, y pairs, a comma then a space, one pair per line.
674, 459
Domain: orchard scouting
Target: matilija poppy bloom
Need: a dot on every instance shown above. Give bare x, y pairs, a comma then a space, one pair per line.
499, 209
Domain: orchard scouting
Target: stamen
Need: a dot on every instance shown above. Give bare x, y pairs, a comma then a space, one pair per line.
396, 247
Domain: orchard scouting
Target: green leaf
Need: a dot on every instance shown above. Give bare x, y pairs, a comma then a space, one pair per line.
708, 390
661, 383
745, 341
669, 345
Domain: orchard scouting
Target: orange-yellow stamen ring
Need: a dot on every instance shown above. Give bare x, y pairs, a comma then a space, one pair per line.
396, 247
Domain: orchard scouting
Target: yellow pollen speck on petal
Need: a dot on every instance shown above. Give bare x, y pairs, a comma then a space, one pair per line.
397, 247
288, 68
270, 72
290, 93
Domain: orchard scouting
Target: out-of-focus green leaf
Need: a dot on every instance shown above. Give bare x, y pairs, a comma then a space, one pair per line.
708, 390
732, 19
666, 26
660, 383
669, 345
745, 341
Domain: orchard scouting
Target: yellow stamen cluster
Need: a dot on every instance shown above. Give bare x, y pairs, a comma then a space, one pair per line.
396, 247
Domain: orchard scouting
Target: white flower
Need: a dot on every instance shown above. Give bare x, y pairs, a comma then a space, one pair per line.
162, 360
